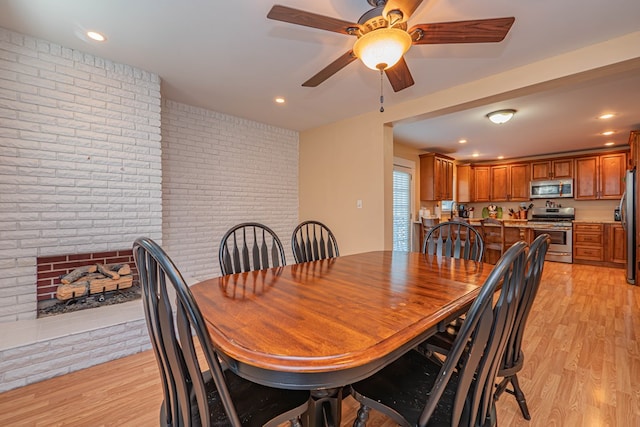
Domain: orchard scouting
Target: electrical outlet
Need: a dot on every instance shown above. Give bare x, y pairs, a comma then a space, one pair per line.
359, 204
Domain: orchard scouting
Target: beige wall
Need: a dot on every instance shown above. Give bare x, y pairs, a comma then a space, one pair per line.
411, 153
340, 164
352, 159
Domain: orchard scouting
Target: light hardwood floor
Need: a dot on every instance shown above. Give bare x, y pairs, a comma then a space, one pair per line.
582, 367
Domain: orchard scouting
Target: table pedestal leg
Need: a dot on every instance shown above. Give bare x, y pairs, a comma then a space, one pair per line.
325, 408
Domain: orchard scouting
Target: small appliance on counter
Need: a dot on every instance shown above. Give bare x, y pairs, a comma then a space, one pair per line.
616, 215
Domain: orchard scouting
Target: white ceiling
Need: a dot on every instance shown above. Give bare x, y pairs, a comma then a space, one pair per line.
228, 57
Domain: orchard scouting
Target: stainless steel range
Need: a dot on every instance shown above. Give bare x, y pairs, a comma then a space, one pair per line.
557, 222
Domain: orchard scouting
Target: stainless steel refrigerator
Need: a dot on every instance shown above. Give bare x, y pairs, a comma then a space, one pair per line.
628, 218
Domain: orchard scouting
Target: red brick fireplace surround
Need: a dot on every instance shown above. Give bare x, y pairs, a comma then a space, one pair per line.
51, 268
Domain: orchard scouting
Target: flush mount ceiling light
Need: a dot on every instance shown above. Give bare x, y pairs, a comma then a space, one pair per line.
94, 35
501, 116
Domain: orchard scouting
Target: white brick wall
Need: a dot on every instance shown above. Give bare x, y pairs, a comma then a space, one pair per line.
218, 171
80, 160
81, 170
47, 359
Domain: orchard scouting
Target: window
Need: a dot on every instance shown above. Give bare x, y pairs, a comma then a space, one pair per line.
401, 209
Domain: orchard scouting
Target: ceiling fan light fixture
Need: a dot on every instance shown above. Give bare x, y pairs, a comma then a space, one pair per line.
501, 116
382, 48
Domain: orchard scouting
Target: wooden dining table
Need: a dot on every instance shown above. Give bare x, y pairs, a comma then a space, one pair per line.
325, 324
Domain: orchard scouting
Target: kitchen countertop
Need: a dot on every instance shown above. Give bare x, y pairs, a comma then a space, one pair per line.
523, 223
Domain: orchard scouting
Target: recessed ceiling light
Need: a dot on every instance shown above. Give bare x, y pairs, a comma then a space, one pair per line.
607, 133
279, 100
500, 157
462, 141
93, 35
475, 155
606, 116
610, 143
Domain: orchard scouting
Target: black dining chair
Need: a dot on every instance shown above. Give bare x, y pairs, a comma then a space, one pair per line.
193, 397
513, 359
312, 241
415, 391
455, 239
250, 246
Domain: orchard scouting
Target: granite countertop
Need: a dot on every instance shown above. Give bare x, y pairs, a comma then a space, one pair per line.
523, 223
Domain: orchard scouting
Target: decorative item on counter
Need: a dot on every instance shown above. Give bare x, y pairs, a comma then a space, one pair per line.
522, 213
492, 211
471, 212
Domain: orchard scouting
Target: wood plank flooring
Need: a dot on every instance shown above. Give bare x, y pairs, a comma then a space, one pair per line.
582, 367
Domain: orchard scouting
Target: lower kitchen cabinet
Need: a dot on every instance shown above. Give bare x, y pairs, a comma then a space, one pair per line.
616, 244
588, 242
599, 244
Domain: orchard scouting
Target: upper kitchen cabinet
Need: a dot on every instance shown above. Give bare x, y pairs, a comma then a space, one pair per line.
463, 183
552, 169
480, 184
436, 177
600, 177
510, 182
634, 140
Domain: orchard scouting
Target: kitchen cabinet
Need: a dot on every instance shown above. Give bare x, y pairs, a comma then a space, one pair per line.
481, 177
436, 177
463, 183
588, 242
510, 182
616, 244
552, 169
599, 244
600, 177
634, 140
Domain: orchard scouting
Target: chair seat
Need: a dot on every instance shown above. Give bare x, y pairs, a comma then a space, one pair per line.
404, 385
256, 405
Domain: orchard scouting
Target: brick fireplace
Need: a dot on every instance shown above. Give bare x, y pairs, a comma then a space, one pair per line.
51, 268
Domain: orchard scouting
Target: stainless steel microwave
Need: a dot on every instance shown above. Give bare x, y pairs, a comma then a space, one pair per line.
552, 189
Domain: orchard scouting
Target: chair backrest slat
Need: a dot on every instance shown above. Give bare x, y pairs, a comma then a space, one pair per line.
259, 246
309, 243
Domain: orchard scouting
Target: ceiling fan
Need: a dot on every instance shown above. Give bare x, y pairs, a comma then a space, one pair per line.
387, 23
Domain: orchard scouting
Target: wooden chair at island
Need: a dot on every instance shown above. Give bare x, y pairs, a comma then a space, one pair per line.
493, 234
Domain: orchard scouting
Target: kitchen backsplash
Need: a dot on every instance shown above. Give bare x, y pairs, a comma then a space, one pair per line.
586, 210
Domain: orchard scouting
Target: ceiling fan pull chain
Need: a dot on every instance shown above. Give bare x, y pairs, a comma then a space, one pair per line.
381, 95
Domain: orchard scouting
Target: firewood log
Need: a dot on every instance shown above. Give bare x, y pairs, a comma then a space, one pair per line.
122, 269
99, 285
108, 273
76, 289
78, 273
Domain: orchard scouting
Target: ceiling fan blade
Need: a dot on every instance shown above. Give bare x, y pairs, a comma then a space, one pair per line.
331, 69
308, 19
407, 7
474, 31
399, 76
